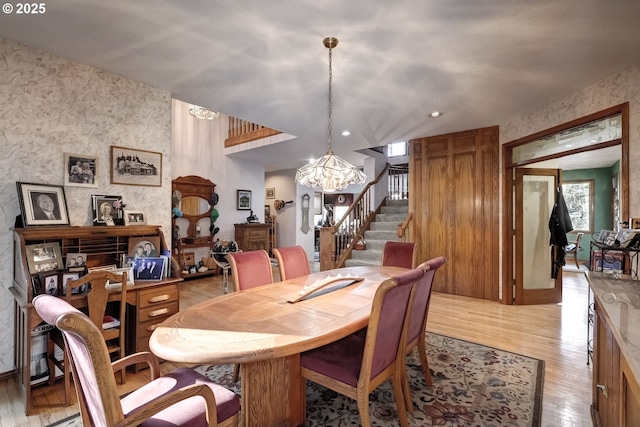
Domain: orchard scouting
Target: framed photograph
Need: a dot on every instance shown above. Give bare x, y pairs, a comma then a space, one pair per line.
626, 236
80, 170
65, 278
142, 247
130, 276
50, 281
150, 268
244, 200
127, 261
130, 166
44, 257
42, 204
75, 260
134, 218
102, 267
270, 193
634, 223
267, 211
607, 237
104, 212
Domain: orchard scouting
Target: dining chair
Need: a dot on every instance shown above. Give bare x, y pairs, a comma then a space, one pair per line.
249, 270
575, 248
166, 400
399, 254
292, 262
93, 286
418, 321
356, 365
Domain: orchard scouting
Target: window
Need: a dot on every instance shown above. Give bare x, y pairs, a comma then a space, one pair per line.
578, 195
397, 149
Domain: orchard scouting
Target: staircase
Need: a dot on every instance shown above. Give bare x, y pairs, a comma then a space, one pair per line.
382, 229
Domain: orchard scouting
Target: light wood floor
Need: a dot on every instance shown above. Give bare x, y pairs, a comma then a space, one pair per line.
556, 333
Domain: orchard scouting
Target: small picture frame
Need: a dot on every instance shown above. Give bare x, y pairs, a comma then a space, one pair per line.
107, 267
75, 260
130, 276
130, 166
81, 170
607, 237
634, 223
42, 204
50, 281
104, 210
44, 257
243, 200
270, 193
134, 218
149, 268
143, 247
127, 261
626, 236
65, 278
267, 211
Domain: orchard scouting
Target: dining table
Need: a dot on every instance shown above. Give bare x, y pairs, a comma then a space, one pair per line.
265, 329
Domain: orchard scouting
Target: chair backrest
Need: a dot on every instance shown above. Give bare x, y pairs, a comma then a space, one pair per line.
292, 262
90, 361
399, 254
578, 240
386, 333
422, 298
250, 269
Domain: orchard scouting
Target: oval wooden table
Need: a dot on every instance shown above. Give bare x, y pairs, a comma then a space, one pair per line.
260, 329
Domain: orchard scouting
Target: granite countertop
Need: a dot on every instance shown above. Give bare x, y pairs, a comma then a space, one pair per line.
619, 299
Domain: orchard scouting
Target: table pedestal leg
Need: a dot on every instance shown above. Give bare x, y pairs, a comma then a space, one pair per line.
273, 393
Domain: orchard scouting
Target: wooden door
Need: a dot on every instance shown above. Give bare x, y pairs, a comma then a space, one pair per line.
453, 195
535, 195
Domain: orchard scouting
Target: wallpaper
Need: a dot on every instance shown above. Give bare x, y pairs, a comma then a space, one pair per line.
51, 106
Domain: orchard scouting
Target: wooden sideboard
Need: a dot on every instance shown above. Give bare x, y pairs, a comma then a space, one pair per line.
149, 302
616, 361
253, 236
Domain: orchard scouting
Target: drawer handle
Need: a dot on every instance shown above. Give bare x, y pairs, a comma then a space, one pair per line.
153, 327
603, 389
159, 298
160, 312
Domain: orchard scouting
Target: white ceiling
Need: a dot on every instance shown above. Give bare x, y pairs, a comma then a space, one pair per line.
263, 61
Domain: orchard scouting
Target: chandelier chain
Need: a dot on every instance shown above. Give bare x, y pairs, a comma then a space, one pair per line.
330, 125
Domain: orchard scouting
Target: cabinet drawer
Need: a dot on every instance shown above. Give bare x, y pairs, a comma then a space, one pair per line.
157, 296
258, 234
157, 311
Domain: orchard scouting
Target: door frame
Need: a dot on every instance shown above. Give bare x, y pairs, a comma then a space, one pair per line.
508, 230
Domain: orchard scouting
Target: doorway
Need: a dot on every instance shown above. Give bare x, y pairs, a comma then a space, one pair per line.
519, 154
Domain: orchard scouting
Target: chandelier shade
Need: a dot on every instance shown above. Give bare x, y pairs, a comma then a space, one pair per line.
330, 172
203, 113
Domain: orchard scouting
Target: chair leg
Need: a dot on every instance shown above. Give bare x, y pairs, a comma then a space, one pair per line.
363, 408
422, 351
406, 391
575, 258
236, 372
400, 399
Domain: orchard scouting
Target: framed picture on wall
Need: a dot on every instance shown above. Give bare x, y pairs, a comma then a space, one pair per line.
80, 170
42, 204
270, 193
244, 200
130, 166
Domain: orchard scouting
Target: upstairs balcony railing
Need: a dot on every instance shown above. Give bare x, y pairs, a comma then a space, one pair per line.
241, 131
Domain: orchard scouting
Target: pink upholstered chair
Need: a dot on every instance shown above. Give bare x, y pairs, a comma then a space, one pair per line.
399, 254
249, 270
182, 397
418, 320
292, 262
356, 365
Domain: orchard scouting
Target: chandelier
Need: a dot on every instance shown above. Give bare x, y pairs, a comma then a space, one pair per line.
330, 172
203, 113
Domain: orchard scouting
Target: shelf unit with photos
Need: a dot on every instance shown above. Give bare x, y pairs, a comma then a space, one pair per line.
196, 205
149, 302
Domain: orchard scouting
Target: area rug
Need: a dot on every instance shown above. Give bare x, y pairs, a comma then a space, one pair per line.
473, 385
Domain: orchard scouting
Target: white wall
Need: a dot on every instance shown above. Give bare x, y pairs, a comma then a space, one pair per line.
50, 106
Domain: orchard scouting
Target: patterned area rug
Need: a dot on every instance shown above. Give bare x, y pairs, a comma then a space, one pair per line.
473, 385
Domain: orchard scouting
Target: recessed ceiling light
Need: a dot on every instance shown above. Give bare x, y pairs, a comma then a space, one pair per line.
435, 114
346, 133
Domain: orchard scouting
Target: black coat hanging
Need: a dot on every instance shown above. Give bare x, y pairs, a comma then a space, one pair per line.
559, 226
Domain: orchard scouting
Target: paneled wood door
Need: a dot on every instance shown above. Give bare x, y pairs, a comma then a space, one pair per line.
453, 194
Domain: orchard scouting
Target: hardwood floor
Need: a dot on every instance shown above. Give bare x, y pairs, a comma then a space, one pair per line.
556, 333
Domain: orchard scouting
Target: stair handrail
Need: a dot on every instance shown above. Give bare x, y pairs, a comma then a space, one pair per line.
343, 233
402, 227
